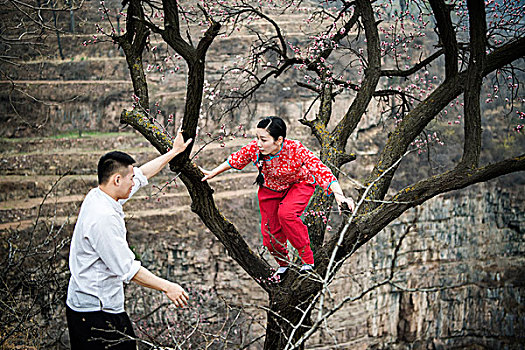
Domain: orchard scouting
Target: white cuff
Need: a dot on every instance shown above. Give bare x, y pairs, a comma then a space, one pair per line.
135, 267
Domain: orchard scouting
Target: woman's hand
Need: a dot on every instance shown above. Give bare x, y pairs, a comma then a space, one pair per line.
218, 170
341, 199
207, 174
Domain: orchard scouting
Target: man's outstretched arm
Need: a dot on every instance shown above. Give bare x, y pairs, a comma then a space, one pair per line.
172, 290
152, 167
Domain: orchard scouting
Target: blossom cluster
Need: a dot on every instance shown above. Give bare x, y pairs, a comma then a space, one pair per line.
421, 143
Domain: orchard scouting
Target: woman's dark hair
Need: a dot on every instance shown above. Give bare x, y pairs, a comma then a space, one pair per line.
111, 163
276, 127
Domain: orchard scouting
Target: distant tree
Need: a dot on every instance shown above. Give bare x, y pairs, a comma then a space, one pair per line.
414, 70
26, 26
25, 36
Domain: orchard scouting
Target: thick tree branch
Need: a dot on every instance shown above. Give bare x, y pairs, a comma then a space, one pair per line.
367, 226
447, 36
171, 33
415, 121
171, 15
372, 74
133, 43
196, 60
203, 205
208, 37
504, 55
472, 110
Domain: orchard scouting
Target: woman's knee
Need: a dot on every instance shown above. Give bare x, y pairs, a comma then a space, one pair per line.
287, 214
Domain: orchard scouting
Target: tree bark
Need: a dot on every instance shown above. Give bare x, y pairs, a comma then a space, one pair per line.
290, 309
478, 28
133, 43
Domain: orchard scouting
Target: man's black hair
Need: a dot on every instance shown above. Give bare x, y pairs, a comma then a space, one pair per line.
111, 163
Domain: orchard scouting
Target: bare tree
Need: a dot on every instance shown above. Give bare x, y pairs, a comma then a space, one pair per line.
357, 50
26, 33
33, 282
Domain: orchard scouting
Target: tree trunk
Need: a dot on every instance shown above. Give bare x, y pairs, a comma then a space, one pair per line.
283, 315
59, 42
71, 21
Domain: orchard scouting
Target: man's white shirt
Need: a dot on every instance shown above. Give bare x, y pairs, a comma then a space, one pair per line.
100, 259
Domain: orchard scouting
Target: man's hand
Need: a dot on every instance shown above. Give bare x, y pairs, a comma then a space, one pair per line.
153, 167
177, 295
178, 144
175, 292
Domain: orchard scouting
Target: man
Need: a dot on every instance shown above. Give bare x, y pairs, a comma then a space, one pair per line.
101, 261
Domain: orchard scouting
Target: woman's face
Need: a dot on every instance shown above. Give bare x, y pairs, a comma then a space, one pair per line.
266, 143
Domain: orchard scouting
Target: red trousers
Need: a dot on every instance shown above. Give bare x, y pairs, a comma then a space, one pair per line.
280, 212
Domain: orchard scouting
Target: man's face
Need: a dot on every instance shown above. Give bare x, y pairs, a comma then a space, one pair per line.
126, 182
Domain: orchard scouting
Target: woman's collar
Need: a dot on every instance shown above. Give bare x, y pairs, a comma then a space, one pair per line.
272, 156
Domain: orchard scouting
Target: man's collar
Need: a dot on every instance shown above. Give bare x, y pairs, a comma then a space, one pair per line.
114, 203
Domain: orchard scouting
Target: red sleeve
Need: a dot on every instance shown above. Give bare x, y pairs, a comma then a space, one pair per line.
323, 175
244, 156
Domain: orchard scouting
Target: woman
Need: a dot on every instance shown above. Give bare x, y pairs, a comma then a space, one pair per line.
288, 173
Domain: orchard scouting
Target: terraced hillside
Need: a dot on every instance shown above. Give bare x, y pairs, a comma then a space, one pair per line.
88, 88
58, 172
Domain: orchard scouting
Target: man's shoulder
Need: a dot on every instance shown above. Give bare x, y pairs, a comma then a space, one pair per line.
96, 206
95, 198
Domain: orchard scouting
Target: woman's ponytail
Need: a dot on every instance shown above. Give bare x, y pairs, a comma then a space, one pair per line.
260, 177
